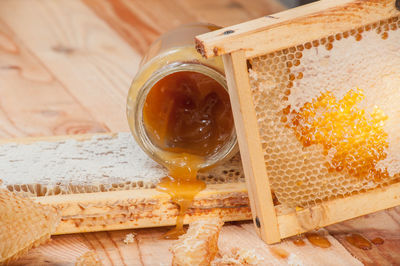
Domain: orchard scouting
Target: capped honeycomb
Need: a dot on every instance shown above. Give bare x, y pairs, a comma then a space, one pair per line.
329, 115
98, 164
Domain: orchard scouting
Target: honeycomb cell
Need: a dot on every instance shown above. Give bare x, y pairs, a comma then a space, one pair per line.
308, 45
300, 75
300, 47
329, 46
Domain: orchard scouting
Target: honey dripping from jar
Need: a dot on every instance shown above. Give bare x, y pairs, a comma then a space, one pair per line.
187, 115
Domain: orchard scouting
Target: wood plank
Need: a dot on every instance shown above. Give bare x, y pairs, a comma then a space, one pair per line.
33, 102
239, 11
140, 23
92, 61
251, 153
384, 224
294, 26
149, 249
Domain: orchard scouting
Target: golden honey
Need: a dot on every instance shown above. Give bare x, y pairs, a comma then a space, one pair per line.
359, 141
318, 240
359, 241
187, 114
179, 113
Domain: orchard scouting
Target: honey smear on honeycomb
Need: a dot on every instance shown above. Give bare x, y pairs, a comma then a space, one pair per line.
355, 141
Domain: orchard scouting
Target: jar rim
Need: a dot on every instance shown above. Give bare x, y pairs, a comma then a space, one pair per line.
229, 149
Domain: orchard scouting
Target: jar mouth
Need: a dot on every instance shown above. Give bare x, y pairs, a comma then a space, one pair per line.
229, 148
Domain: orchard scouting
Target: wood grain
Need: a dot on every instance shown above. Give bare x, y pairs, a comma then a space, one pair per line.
384, 224
141, 22
33, 102
149, 249
83, 53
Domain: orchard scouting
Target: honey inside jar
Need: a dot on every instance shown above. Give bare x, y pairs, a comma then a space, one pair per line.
188, 112
188, 116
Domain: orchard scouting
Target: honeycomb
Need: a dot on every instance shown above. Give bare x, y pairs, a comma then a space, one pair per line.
328, 114
199, 245
23, 224
99, 164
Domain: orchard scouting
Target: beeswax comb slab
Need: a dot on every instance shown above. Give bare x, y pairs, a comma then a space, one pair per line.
314, 92
106, 182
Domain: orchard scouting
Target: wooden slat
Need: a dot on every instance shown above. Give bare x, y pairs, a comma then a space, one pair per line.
294, 26
119, 209
248, 139
338, 210
33, 102
90, 60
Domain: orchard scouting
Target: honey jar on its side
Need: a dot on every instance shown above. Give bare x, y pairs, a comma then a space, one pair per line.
178, 102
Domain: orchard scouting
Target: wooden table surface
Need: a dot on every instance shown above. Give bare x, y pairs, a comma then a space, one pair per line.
65, 68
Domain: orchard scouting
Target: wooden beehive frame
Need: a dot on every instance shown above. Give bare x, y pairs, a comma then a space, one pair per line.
272, 33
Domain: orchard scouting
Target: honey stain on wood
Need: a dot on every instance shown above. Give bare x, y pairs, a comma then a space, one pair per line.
188, 116
318, 240
280, 253
378, 241
359, 241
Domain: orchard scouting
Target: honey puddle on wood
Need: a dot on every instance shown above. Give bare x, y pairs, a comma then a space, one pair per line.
359, 241
318, 240
378, 241
299, 242
280, 253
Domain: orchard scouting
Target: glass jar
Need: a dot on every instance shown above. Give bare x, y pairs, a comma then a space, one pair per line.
174, 52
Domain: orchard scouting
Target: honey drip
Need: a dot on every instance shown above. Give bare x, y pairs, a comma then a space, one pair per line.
359, 241
358, 141
182, 185
280, 253
188, 116
318, 240
378, 241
